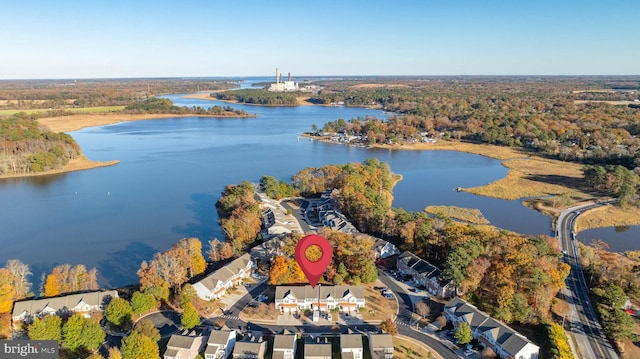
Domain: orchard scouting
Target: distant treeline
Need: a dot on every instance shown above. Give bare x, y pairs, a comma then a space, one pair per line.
26, 146
163, 105
541, 115
60, 94
259, 97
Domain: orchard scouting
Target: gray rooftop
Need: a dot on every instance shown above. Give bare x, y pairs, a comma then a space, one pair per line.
352, 341
34, 306
282, 342
336, 292
317, 350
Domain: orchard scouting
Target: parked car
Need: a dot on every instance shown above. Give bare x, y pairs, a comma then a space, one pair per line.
468, 353
415, 290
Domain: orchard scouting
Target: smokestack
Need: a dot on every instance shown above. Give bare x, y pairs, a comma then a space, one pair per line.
289, 78
277, 76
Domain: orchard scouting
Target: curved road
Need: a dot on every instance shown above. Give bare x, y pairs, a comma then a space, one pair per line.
582, 319
404, 316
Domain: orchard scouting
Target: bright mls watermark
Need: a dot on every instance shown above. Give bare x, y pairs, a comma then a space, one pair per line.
32, 349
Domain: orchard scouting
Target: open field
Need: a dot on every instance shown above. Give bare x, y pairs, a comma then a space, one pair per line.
471, 215
625, 103
98, 109
378, 307
407, 348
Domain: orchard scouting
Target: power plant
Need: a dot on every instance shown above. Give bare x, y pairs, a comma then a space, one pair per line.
281, 86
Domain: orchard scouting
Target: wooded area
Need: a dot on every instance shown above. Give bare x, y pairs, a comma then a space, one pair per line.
259, 97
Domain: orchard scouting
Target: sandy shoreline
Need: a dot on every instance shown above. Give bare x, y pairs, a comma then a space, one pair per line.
79, 163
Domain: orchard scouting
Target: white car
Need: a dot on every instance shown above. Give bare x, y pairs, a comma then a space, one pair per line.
468, 352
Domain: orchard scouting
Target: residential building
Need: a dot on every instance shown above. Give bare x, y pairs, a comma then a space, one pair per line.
66, 305
250, 348
505, 341
216, 284
220, 344
183, 347
345, 298
284, 346
351, 346
317, 351
380, 346
425, 274
384, 249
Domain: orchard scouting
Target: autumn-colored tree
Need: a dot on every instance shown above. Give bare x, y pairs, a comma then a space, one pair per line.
148, 329
389, 326
295, 273
7, 291
193, 247
278, 274
148, 274
114, 353
422, 309
95, 355
138, 346
52, 285
213, 253
20, 273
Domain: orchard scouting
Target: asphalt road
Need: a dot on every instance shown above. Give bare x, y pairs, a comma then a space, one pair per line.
583, 321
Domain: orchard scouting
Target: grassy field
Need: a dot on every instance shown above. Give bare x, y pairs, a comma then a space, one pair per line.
534, 177
99, 109
470, 215
405, 349
378, 307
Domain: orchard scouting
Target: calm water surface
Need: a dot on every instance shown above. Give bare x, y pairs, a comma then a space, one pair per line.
172, 171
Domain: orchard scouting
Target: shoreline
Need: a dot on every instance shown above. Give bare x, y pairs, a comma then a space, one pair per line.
517, 183
302, 101
79, 163
78, 122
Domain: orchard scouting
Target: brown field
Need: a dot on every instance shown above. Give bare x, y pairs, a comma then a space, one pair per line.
609, 102
372, 86
407, 348
378, 307
471, 215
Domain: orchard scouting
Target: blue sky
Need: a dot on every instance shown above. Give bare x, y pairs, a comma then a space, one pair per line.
100, 39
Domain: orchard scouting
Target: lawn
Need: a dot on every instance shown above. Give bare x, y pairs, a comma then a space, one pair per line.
377, 307
405, 349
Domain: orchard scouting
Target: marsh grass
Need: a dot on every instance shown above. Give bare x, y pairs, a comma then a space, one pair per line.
608, 216
470, 215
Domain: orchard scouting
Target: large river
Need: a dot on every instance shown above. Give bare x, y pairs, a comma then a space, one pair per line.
172, 171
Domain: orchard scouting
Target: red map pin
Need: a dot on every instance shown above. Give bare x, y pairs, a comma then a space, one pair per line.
313, 270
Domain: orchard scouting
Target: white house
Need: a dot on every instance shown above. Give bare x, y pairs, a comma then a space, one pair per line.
183, 347
220, 344
505, 341
298, 298
384, 249
351, 346
84, 303
216, 284
284, 346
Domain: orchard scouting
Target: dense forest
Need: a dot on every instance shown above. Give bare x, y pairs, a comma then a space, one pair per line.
259, 97
60, 94
548, 115
28, 147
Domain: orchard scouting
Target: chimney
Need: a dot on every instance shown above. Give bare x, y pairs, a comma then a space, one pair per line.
277, 76
289, 78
